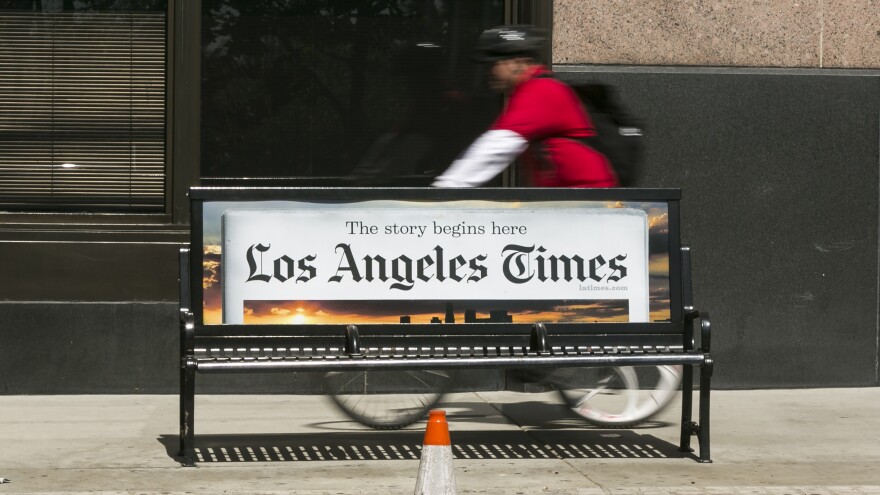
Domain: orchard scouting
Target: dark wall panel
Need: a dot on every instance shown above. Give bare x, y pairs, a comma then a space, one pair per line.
779, 172
88, 271
85, 348
106, 348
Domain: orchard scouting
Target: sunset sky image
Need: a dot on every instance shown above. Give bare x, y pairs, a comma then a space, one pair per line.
422, 311
385, 311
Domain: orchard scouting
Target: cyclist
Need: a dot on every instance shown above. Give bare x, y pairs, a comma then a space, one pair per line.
542, 121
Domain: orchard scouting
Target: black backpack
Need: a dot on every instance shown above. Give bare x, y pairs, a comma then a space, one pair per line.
620, 135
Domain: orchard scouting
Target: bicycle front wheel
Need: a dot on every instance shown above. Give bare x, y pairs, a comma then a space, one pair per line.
386, 400
618, 396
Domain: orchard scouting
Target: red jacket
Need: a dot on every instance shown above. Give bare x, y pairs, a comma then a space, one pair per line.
547, 113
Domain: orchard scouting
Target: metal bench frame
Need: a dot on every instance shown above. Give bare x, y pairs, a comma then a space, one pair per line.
325, 348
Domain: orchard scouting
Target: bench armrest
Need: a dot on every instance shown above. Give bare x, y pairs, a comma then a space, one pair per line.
187, 334
690, 315
705, 332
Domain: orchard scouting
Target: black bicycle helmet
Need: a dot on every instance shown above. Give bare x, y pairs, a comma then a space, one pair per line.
504, 42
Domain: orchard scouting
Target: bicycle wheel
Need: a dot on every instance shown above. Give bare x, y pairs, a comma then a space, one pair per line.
386, 400
613, 396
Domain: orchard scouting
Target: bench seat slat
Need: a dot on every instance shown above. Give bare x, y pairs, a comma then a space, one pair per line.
345, 363
484, 351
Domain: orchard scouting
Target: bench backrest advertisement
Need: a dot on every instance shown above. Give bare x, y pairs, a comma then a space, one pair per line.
393, 261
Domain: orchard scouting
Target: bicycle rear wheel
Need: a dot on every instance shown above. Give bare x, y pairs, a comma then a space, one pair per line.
618, 396
386, 400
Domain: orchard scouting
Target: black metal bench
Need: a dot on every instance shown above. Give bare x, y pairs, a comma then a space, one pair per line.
249, 348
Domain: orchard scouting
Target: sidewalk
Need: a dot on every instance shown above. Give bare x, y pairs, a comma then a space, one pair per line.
820, 442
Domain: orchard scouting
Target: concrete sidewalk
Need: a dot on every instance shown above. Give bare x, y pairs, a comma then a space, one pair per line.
818, 442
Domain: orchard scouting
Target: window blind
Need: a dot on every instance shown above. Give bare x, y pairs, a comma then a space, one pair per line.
82, 111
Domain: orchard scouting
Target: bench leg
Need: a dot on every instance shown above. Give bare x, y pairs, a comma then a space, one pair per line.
705, 388
687, 405
688, 426
187, 413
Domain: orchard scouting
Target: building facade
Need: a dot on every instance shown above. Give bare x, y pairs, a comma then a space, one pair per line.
765, 114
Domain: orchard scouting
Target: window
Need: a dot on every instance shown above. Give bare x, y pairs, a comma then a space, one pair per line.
82, 106
325, 89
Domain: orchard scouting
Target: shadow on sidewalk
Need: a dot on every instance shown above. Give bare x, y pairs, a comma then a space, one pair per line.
406, 445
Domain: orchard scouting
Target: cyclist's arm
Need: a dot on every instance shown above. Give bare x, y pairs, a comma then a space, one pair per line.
484, 159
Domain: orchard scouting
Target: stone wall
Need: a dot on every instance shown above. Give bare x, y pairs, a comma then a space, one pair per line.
734, 33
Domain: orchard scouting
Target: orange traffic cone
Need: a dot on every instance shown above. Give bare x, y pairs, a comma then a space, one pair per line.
435, 467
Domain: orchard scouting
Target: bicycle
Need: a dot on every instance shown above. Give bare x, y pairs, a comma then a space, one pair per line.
604, 397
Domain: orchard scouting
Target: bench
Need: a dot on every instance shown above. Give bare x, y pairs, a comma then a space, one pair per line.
495, 248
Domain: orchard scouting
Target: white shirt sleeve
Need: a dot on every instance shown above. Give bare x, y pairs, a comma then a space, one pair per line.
486, 157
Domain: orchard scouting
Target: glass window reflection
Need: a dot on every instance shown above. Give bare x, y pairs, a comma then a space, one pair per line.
332, 88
